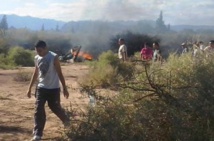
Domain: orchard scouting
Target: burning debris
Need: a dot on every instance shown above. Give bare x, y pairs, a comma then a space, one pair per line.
75, 55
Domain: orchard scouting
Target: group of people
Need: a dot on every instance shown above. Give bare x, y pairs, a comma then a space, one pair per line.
147, 53
198, 48
154, 54
48, 73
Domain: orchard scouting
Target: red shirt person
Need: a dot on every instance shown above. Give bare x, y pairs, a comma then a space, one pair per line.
146, 53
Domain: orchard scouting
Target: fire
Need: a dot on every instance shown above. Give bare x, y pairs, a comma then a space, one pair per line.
85, 55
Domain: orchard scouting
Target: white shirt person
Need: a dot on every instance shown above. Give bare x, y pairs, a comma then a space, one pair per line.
122, 52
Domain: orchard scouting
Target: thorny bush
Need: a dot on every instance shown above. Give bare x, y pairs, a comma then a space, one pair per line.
166, 102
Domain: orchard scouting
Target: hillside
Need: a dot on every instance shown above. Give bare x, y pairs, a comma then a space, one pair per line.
146, 26
32, 23
192, 27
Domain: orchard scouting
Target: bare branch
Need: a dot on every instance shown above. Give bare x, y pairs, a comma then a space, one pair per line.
149, 95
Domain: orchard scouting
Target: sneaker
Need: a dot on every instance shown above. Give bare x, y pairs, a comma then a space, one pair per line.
36, 138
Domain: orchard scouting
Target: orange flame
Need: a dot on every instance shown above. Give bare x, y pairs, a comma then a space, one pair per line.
86, 56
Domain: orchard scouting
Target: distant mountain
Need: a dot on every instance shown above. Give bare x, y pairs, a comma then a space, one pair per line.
112, 27
142, 26
32, 23
191, 27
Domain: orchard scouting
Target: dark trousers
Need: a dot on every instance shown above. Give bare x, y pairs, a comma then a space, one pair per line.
52, 96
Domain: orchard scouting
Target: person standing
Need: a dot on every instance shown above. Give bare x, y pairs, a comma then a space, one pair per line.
157, 52
48, 72
122, 52
185, 49
201, 45
146, 53
209, 50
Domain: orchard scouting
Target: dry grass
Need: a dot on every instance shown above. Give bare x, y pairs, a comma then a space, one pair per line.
22, 76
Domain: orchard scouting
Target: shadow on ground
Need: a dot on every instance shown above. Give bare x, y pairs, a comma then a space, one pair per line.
13, 129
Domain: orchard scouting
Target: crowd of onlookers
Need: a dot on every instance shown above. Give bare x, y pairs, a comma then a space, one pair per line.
154, 53
198, 47
146, 54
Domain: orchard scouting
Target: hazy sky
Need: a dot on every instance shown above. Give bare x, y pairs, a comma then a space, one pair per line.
194, 12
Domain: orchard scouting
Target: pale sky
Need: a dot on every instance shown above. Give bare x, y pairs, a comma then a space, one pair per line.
188, 12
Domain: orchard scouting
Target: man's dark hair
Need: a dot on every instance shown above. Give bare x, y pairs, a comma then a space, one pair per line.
211, 41
156, 43
40, 44
121, 39
146, 44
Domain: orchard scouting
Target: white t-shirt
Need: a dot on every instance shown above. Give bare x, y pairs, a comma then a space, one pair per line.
48, 77
122, 49
201, 47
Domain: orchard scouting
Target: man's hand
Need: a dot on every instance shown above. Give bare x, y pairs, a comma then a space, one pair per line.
65, 92
29, 94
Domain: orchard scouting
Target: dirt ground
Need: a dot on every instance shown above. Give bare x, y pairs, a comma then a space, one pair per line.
17, 110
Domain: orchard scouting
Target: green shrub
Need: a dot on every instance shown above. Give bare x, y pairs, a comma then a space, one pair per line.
166, 102
4, 46
5, 63
107, 71
21, 57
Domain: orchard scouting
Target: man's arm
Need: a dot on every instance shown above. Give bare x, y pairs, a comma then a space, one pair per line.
124, 53
160, 58
206, 49
61, 77
124, 56
32, 81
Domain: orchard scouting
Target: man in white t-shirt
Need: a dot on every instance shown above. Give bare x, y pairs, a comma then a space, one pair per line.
122, 52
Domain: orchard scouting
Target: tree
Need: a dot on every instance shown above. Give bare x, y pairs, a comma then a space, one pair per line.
4, 47
43, 27
169, 27
57, 27
4, 24
160, 26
